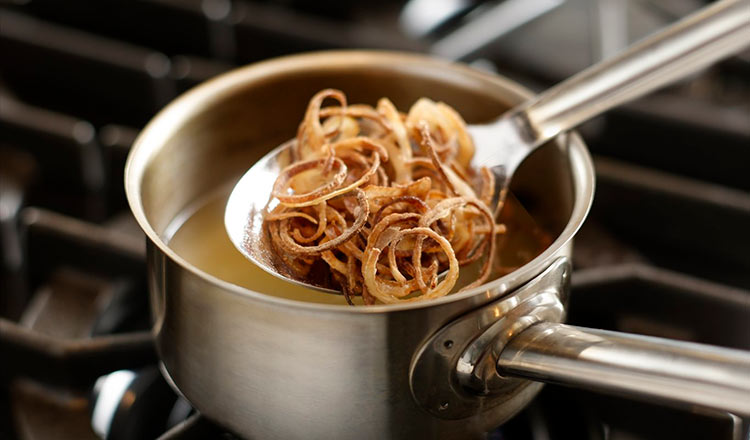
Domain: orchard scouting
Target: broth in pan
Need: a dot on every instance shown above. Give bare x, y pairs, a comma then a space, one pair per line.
200, 238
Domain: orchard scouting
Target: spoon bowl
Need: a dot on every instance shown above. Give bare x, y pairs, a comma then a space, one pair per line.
245, 210
681, 49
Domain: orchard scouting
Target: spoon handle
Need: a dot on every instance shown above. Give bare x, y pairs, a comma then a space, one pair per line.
685, 47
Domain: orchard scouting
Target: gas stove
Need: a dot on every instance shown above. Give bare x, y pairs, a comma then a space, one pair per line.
664, 251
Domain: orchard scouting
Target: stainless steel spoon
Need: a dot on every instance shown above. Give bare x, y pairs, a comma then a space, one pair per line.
681, 49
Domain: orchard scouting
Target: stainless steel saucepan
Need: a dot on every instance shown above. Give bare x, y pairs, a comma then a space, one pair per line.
455, 367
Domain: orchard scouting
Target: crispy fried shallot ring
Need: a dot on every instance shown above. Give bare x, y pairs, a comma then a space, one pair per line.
389, 294
287, 243
281, 186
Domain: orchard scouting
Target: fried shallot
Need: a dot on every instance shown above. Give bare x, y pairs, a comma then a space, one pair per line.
388, 201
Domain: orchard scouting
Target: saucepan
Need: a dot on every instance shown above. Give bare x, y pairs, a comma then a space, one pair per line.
265, 366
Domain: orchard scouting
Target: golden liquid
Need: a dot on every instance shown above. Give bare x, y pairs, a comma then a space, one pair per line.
203, 242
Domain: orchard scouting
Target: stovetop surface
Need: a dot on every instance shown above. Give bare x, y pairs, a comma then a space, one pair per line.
663, 253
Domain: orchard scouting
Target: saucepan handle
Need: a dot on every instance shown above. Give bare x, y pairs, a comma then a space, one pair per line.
457, 372
629, 364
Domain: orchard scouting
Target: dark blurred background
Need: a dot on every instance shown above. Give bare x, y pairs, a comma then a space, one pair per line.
666, 250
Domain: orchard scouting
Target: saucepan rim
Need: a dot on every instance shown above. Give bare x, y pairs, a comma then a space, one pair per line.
161, 127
